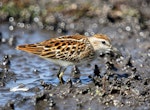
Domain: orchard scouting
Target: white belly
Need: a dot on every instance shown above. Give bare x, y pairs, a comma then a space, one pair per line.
61, 62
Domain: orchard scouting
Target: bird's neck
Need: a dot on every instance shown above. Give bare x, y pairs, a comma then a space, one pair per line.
93, 42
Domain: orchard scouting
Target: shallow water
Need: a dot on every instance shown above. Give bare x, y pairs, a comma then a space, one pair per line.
29, 70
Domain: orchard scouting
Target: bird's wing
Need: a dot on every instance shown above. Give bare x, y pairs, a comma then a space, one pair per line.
69, 48
31, 48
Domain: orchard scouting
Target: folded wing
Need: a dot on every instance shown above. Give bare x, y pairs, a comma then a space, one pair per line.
69, 48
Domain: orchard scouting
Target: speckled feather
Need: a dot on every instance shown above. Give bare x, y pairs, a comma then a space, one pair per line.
75, 48
69, 50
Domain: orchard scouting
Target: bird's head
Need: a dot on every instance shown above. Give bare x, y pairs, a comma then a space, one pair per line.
101, 43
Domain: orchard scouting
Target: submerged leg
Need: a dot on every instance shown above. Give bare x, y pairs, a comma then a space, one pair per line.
60, 74
76, 74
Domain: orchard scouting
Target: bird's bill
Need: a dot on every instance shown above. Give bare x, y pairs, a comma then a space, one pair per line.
113, 52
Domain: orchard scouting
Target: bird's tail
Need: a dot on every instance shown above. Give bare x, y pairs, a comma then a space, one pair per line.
30, 48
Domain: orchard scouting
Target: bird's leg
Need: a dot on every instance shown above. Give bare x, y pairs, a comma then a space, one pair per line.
76, 74
60, 75
59, 72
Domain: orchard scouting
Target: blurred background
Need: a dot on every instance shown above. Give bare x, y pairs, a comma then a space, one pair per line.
75, 16
126, 22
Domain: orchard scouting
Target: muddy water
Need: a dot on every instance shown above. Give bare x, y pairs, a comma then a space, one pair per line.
29, 71
26, 69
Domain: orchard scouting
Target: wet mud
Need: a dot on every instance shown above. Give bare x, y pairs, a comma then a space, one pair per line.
116, 81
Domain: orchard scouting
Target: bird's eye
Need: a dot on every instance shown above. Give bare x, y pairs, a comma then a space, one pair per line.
103, 42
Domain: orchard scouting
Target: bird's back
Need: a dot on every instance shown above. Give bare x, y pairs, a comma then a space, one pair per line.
73, 48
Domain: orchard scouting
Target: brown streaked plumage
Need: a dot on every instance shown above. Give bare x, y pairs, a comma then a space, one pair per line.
69, 50
102, 36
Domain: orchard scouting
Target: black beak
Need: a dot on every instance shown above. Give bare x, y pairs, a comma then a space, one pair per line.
115, 52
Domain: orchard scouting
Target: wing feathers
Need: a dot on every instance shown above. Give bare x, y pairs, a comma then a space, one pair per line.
70, 48
30, 48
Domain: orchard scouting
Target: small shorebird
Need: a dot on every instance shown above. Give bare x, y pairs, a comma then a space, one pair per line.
69, 50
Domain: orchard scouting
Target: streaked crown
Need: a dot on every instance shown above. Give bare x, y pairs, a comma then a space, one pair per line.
101, 42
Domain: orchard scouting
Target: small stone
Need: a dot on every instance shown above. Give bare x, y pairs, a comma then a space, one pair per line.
11, 28
128, 28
